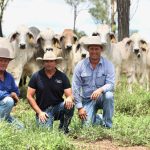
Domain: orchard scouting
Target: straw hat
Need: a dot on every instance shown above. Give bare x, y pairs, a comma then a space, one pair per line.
5, 53
49, 55
92, 40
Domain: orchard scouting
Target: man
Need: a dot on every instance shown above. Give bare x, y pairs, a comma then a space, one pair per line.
93, 85
8, 90
49, 84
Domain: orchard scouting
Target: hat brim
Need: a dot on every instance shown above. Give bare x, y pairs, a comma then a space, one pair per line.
10, 58
58, 59
86, 46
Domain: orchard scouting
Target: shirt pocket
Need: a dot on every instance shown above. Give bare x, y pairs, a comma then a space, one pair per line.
86, 78
100, 80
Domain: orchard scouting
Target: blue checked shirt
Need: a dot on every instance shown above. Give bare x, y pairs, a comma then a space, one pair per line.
7, 86
86, 79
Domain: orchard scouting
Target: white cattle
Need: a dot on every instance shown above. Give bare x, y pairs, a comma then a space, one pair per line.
68, 42
147, 47
107, 38
23, 42
141, 50
80, 52
47, 40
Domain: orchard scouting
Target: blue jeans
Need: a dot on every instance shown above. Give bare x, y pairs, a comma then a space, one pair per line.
6, 106
106, 103
57, 112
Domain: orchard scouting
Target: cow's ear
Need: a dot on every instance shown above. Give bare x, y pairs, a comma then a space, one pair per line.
31, 38
13, 36
62, 38
75, 38
30, 35
143, 45
112, 37
56, 41
78, 47
95, 34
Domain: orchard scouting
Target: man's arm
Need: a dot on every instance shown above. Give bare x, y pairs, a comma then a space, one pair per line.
69, 98
30, 96
76, 86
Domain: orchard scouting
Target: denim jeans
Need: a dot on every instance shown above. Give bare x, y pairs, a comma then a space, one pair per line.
106, 103
57, 112
6, 106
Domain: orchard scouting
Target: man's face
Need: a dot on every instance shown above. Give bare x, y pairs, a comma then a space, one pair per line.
4, 63
49, 65
95, 51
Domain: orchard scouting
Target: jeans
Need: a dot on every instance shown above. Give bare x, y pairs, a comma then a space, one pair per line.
57, 112
106, 103
6, 106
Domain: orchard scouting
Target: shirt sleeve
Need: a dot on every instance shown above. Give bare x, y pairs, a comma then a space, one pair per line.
76, 86
33, 81
66, 82
15, 87
3, 94
110, 78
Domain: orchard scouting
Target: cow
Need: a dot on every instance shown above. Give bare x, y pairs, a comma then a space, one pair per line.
23, 41
68, 41
80, 52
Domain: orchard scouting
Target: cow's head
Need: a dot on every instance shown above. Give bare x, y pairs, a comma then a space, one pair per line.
23, 37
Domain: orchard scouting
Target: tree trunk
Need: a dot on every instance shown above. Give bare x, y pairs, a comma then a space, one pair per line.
75, 17
113, 11
1, 33
123, 9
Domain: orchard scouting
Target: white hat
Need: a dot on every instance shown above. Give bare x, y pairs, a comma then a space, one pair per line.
92, 40
49, 55
5, 53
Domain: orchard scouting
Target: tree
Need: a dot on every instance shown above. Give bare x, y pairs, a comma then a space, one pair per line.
100, 11
3, 5
113, 13
123, 9
75, 5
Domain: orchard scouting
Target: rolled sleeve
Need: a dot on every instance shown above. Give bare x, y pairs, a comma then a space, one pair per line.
76, 87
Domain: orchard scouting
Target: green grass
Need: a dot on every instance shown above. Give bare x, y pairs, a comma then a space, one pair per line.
131, 126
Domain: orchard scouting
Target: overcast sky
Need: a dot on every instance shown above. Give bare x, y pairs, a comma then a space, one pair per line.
57, 15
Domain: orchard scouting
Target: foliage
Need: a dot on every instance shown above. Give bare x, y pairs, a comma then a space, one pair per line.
100, 11
80, 33
131, 126
75, 4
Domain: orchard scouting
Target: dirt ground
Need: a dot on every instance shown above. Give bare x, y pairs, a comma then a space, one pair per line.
104, 145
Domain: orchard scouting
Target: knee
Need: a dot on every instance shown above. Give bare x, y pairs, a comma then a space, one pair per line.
69, 111
9, 102
109, 96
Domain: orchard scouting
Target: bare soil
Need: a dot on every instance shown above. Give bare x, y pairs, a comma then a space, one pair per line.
104, 145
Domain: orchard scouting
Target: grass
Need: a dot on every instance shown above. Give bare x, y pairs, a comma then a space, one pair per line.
131, 126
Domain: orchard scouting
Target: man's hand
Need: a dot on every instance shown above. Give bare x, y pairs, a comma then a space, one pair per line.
95, 95
14, 96
82, 113
43, 117
69, 102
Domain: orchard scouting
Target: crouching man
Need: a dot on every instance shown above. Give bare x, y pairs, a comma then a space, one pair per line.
49, 85
8, 90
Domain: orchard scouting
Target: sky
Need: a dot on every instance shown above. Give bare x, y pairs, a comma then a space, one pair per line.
57, 15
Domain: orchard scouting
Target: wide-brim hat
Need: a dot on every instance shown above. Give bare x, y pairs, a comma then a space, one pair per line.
49, 55
5, 53
92, 40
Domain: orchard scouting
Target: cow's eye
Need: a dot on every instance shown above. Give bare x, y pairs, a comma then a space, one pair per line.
143, 49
